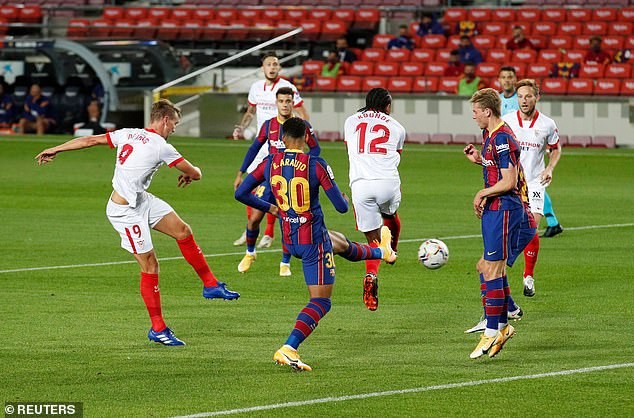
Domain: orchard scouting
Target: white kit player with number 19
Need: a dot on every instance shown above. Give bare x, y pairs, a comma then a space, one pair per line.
375, 140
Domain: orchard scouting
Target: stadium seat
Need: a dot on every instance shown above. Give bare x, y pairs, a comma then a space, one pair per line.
579, 140
417, 138
227, 15
412, 69
440, 138
373, 54
612, 42
182, 14
557, 86
349, 83
498, 55
191, 30
345, 15
627, 87
581, 42
618, 71
569, 28
503, 14
325, 83
592, 71
453, 41
605, 14
312, 30
99, 28
488, 69
549, 55
435, 69
77, 27
581, 14
169, 30
603, 141
574, 55
425, 85
213, 30
386, 68
538, 70
629, 42
367, 19
454, 15
145, 29
595, 28
422, 55
135, 13
448, 84
380, 40
580, 86
495, 28
399, 84
295, 15
520, 69
527, 14
626, 14
9, 13
479, 15
432, 41
332, 29
554, 14
312, 67
160, 13
620, 28
483, 42
560, 42
203, 14
545, 28
113, 13
361, 68
372, 82
524, 55
274, 14
30, 13
122, 28
320, 14
607, 87
443, 55
397, 55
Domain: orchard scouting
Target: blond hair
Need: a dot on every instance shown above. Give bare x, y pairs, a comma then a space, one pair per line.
164, 108
527, 82
488, 98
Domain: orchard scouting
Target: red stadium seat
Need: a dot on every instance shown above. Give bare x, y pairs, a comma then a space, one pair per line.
448, 84
412, 69
145, 29
612, 42
595, 28
112, 13
400, 84
620, 28
605, 14
380, 40
423, 55
295, 15
580, 86
312, 30
417, 138
579, 15
160, 13
432, 41
367, 18
503, 15
603, 141
435, 69
618, 71
312, 67
77, 27
574, 55
398, 55
99, 28
494, 28
361, 68
372, 82
320, 14
581, 42
213, 30
386, 68
443, 55
560, 42
238, 30
191, 30
569, 28
554, 15
454, 15
183, 14
225, 14
607, 86
345, 15
627, 87
549, 55
326, 84
349, 83
425, 85
579, 140
483, 42
539, 42
373, 54
557, 86
528, 15
488, 69
9, 13
592, 71
546, 28
123, 28
274, 14
30, 13
524, 55
203, 14
453, 42
626, 14
169, 30
332, 30
498, 55
538, 70
479, 15
629, 42
520, 69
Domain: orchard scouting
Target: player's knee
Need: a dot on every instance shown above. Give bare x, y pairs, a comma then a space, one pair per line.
324, 303
183, 231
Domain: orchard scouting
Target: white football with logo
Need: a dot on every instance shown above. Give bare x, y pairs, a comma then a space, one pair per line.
433, 254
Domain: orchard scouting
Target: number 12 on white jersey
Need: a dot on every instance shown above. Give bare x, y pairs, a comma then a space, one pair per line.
371, 144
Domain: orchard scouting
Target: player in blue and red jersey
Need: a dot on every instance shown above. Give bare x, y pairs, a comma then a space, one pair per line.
502, 205
295, 179
270, 135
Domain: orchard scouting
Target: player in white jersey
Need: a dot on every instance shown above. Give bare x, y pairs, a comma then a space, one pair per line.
262, 103
375, 140
133, 211
535, 132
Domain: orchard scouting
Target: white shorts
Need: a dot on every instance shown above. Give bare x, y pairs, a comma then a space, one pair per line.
134, 224
371, 198
536, 196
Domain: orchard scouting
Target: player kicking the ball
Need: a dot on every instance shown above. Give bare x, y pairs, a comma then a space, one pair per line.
133, 212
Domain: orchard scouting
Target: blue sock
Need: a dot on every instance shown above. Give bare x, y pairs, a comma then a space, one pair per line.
307, 320
512, 306
286, 257
483, 293
495, 299
358, 252
252, 237
549, 213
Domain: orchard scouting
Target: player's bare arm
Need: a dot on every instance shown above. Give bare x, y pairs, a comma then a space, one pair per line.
189, 173
238, 181
49, 154
473, 154
301, 112
246, 121
547, 175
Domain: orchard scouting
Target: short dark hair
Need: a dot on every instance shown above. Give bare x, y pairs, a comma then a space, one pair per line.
268, 54
284, 91
377, 99
294, 128
508, 68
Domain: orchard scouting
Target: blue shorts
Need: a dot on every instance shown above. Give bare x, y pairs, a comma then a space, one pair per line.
263, 191
505, 234
318, 261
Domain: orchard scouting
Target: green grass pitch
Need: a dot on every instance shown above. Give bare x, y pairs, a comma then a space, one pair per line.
78, 333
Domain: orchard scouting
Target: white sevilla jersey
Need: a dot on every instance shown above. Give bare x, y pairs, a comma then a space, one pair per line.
374, 140
140, 153
263, 98
533, 137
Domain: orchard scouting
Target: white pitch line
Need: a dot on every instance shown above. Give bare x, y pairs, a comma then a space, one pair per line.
407, 391
113, 263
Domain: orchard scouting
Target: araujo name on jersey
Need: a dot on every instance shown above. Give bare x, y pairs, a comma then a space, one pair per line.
291, 162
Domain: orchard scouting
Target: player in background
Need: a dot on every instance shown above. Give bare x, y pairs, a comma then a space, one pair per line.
502, 206
295, 178
270, 134
133, 211
262, 103
535, 133
508, 78
375, 140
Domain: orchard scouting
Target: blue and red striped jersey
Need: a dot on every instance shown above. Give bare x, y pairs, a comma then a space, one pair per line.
295, 179
500, 150
271, 132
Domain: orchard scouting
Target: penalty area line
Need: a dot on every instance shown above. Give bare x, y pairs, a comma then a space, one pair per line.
408, 391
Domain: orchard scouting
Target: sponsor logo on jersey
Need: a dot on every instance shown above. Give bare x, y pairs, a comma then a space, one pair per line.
502, 147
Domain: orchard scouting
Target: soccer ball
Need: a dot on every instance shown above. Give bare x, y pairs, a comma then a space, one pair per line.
433, 253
